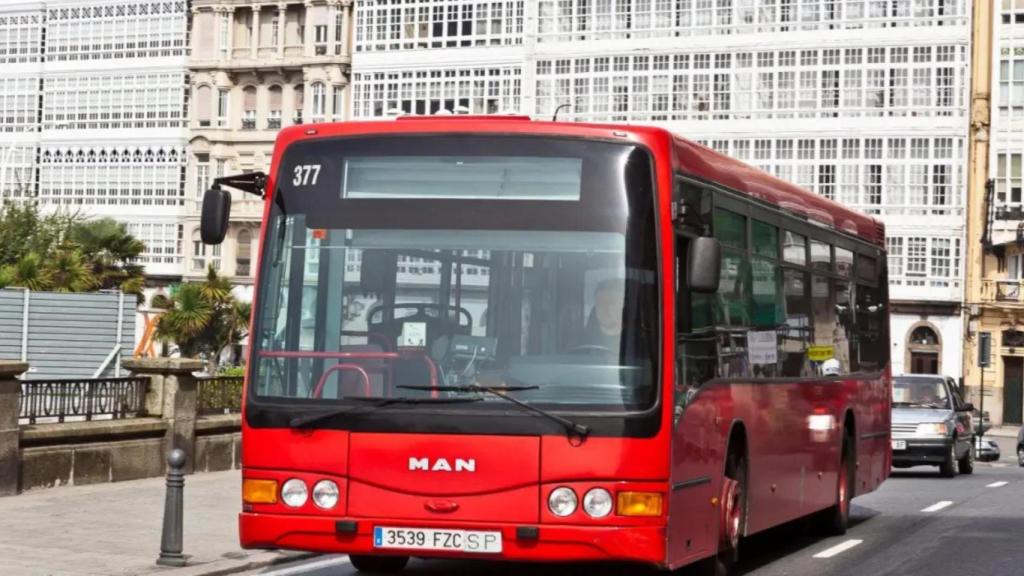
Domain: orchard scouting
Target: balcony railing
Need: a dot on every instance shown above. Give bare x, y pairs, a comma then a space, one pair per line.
274, 123
1011, 291
82, 399
248, 123
1009, 213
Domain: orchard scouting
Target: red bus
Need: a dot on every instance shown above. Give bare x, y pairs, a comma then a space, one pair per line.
489, 337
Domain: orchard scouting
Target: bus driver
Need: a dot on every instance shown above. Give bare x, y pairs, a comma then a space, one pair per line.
604, 324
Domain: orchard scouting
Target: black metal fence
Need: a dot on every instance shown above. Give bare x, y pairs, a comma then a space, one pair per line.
82, 398
220, 395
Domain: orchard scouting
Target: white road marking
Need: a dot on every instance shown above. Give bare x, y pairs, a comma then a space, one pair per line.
996, 485
837, 549
308, 566
937, 506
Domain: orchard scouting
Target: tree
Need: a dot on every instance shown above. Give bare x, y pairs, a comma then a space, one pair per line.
203, 318
111, 251
61, 251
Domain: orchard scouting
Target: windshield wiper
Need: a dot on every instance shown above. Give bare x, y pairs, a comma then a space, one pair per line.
572, 429
303, 421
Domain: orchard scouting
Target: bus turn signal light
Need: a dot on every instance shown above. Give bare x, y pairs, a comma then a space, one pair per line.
259, 491
639, 504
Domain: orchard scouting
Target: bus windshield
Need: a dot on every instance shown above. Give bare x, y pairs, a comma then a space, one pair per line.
422, 268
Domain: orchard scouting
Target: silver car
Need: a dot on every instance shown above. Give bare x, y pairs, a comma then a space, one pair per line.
931, 425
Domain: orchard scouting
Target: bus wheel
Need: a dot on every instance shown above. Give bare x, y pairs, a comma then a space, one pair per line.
378, 564
835, 520
734, 509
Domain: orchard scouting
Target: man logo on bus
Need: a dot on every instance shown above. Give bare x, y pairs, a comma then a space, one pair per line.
442, 465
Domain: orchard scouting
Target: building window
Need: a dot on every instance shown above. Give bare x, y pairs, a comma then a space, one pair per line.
338, 103
90, 177
223, 109
423, 24
917, 257
765, 84
319, 103
477, 90
203, 255
1009, 182
274, 112
300, 103
320, 39
204, 105
243, 253
111, 31
224, 38
202, 175
249, 108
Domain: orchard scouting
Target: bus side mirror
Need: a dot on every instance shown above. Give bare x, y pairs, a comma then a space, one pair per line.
704, 265
213, 225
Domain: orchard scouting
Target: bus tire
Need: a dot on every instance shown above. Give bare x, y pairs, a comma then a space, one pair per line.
378, 564
834, 521
734, 514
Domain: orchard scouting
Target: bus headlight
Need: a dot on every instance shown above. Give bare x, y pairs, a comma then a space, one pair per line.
325, 494
597, 503
932, 429
294, 493
562, 501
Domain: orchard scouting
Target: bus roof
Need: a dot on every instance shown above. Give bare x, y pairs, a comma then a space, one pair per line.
691, 158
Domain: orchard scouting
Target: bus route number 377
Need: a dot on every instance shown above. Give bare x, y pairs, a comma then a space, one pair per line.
306, 175
474, 541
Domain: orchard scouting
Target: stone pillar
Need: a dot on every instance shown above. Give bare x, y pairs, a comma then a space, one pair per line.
332, 25
346, 28
231, 32
10, 394
255, 39
309, 39
282, 28
173, 396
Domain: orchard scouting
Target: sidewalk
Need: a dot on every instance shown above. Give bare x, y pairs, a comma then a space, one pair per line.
1003, 431
114, 529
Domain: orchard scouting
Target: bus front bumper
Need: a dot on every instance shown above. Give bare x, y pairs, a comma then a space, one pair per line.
552, 543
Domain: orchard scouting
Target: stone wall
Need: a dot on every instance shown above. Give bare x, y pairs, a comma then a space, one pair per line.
76, 453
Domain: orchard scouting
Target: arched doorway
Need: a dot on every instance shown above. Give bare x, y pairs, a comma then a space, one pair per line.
924, 350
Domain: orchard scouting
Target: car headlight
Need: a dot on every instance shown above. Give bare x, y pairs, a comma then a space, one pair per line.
932, 429
294, 493
325, 494
597, 503
562, 501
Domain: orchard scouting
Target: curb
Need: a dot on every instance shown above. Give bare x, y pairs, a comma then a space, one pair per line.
234, 566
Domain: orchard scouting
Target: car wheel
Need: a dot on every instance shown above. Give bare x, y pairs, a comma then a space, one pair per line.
378, 564
1020, 455
966, 464
948, 468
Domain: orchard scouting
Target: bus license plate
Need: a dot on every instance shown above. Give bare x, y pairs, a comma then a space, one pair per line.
899, 444
472, 541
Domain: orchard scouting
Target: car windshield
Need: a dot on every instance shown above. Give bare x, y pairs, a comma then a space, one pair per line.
508, 281
920, 392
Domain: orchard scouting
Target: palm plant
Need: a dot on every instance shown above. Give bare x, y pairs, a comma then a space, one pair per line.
68, 272
28, 272
203, 318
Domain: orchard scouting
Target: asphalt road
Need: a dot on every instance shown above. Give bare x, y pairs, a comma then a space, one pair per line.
916, 524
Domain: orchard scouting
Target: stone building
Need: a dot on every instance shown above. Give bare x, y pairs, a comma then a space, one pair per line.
255, 67
995, 277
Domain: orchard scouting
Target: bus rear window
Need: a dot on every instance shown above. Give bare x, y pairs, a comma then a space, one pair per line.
463, 177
